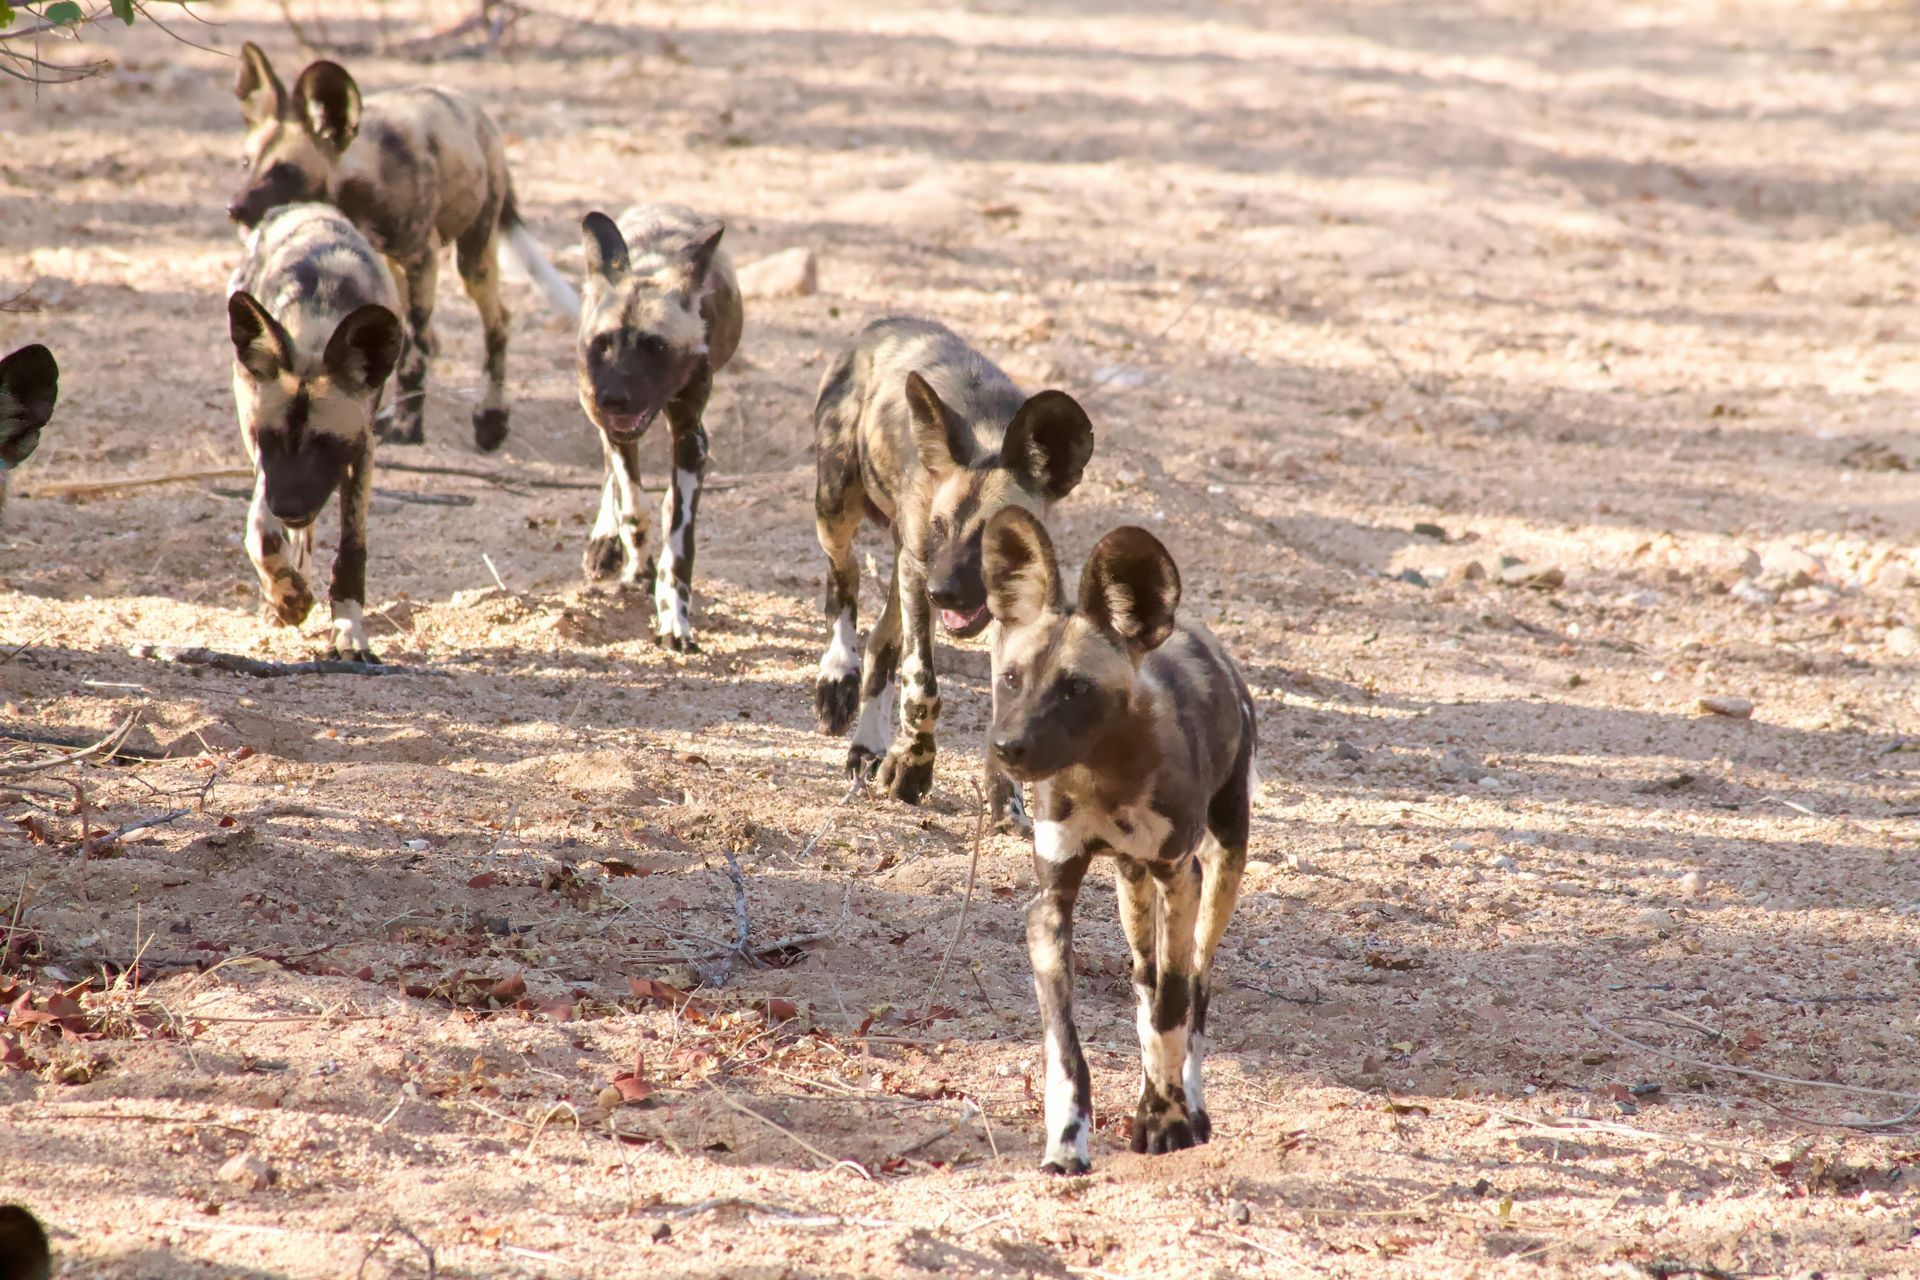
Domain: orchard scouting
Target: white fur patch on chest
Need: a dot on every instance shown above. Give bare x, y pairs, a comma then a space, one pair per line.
1133, 831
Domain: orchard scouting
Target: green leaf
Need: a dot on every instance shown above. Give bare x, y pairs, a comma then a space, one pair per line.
6, 15
63, 13
123, 10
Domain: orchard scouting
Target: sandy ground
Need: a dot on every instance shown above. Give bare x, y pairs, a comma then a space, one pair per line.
1620, 292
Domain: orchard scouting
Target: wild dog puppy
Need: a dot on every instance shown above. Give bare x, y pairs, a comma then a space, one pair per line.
924, 435
1138, 735
661, 316
24, 1254
29, 385
315, 337
429, 170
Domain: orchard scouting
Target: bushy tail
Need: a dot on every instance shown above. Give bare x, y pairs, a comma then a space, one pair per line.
519, 243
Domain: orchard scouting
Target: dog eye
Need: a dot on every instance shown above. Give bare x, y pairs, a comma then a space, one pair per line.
601, 346
1011, 677
1075, 687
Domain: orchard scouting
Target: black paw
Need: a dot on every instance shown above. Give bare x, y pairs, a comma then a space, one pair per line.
1075, 1167
862, 764
347, 653
394, 431
1202, 1127
489, 429
678, 644
835, 702
904, 780
1156, 1133
603, 558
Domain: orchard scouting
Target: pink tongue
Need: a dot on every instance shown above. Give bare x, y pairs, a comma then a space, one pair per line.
959, 621
623, 423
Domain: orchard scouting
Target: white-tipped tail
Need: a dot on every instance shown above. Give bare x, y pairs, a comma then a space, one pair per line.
526, 251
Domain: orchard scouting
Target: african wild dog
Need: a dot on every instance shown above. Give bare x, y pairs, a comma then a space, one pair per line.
923, 434
1138, 735
661, 316
29, 384
315, 337
24, 1252
429, 170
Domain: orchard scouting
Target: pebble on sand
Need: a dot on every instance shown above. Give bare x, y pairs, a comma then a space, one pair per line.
1735, 708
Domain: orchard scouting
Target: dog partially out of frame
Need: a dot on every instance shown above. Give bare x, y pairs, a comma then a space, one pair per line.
415, 169
24, 1253
924, 435
315, 337
29, 385
1137, 732
660, 316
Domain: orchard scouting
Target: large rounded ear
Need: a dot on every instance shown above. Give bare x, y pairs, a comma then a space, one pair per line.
944, 441
363, 349
1017, 561
329, 101
259, 91
1049, 442
700, 255
260, 344
29, 385
606, 247
1131, 587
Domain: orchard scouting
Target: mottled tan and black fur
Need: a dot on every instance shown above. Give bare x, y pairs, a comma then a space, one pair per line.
659, 317
311, 313
29, 386
925, 436
1138, 734
416, 170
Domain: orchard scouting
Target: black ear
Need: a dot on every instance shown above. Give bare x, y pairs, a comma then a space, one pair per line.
1017, 561
260, 344
364, 348
1131, 587
1049, 442
944, 441
29, 385
259, 91
329, 101
700, 256
606, 247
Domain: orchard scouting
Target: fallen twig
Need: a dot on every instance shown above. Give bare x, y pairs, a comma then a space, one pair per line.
107, 745
1701, 1064
832, 1161
973, 870
90, 488
380, 1242
1667, 1268
89, 848
529, 482
121, 752
193, 656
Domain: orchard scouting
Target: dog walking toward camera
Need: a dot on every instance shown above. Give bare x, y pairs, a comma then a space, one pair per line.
1137, 733
660, 316
924, 435
415, 170
29, 386
311, 312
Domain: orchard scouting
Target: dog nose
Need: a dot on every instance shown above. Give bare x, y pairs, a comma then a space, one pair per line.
616, 402
1010, 750
945, 594
237, 211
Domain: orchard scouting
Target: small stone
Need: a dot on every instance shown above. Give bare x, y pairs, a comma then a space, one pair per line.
791, 273
1455, 763
1736, 708
1744, 561
1503, 863
247, 1171
1903, 642
1426, 530
1752, 592
1690, 885
1411, 576
1471, 571
661, 1231
1791, 567
1344, 750
416, 844
1299, 865
1541, 577
1238, 1213
1893, 576
1655, 918
1490, 783
1460, 846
